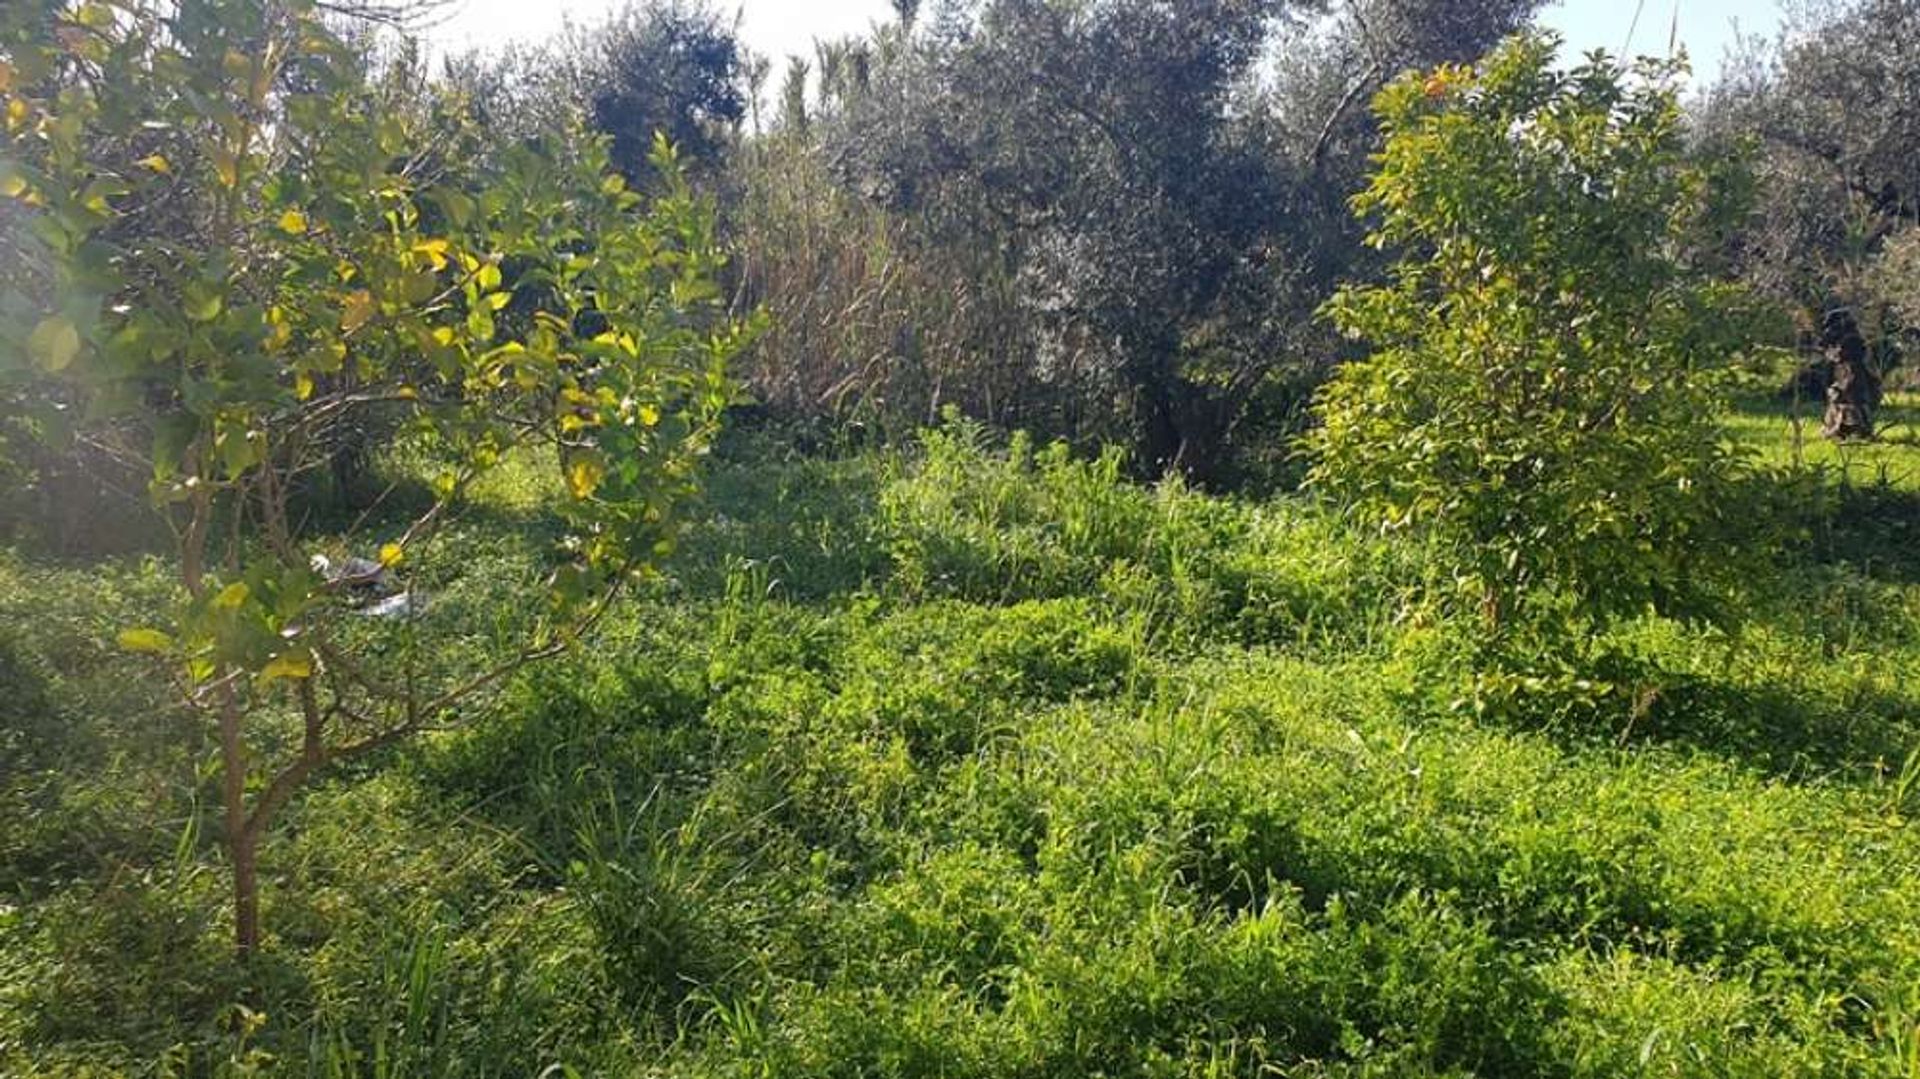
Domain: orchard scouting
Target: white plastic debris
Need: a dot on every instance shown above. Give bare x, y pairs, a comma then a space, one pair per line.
353, 570
398, 605
369, 586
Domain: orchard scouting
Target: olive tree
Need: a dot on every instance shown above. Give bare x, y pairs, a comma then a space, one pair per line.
1157, 187
1540, 399
231, 251
1833, 105
651, 67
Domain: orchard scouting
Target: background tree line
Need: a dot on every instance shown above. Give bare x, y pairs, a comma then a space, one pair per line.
1118, 220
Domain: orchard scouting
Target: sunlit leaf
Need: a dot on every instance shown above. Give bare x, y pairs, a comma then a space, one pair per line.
297, 664
142, 639
584, 474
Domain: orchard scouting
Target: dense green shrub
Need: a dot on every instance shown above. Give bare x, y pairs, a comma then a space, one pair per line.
1542, 399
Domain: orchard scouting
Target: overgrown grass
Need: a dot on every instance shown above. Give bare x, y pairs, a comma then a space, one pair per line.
980, 761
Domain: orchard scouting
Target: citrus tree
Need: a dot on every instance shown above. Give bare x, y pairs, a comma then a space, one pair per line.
227, 251
1541, 400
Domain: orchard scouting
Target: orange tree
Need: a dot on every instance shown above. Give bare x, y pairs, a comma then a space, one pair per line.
226, 251
1542, 400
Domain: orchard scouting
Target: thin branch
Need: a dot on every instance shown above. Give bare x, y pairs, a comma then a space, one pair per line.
1367, 80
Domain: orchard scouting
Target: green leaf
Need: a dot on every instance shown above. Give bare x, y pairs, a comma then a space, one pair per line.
458, 206
54, 343
201, 301
359, 307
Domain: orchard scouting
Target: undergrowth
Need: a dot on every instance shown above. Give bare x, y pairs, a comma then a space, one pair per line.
982, 761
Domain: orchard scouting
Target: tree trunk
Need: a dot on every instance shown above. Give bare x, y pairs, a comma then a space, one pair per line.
1850, 402
1853, 391
1181, 432
242, 844
1160, 441
246, 893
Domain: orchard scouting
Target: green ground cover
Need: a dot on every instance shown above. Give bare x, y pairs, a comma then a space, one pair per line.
983, 762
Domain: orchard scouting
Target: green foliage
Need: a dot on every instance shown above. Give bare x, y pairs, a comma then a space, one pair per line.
966, 759
1895, 275
1542, 398
1078, 219
236, 253
1827, 101
1011, 806
1028, 523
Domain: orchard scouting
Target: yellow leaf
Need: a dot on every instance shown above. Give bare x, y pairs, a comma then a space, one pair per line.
158, 163
584, 476
649, 415
497, 300
54, 342
293, 223
434, 250
16, 112
13, 186
302, 385
288, 665
226, 167
359, 309
232, 596
391, 554
145, 640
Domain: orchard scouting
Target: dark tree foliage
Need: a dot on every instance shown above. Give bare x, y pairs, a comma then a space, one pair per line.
1170, 226
671, 68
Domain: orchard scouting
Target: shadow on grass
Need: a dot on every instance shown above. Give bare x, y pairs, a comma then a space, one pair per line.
1783, 732
1871, 529
804, 526
1797, 726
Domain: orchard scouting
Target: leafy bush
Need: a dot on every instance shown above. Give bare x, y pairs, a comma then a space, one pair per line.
1541, 399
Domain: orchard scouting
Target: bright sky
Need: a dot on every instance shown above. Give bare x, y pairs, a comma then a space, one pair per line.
1704, 27
778, 27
